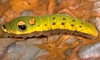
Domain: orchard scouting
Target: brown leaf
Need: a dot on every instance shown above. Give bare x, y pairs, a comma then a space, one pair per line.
78, 8
52, 5
3, 7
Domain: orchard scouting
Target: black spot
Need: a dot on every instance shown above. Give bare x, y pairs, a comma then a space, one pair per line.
73, 20
45, 24
22, 27
80, 26
81, 23
44, 20
64, 18
53, 23
38, 25
62, 23
53, 18
72, 25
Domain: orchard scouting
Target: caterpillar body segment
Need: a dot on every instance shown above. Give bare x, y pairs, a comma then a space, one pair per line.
56, 22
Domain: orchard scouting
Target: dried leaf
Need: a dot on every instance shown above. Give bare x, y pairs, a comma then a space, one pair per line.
52, 5
76, 7
2, 5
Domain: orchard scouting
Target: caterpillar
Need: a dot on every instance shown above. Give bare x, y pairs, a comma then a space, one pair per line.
49, 25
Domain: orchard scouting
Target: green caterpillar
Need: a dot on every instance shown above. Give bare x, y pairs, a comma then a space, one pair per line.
50, 24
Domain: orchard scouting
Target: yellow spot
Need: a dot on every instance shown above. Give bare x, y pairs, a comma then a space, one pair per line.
32, 21
21, 23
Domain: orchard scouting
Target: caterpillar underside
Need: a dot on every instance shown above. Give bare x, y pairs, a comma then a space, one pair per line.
49, 33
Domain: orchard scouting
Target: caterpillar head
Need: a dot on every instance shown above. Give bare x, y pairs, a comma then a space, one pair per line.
20, 25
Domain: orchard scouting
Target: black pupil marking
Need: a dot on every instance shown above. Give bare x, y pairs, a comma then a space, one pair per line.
72, 25
4, 27
53, 23
62, 23
80, 26
64, 18
73, 20
53, 18
22, 27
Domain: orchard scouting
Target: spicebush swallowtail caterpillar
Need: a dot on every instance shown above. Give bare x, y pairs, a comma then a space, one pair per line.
48, 25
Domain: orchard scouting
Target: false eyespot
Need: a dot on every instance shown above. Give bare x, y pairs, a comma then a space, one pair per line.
21, 25
32, 21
